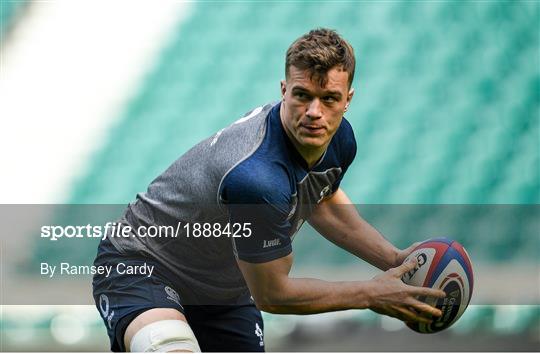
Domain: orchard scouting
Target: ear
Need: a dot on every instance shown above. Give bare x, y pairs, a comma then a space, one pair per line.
283, 84
349, 98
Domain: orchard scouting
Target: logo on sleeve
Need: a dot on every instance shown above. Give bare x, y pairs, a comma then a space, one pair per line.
324, 193
271, 243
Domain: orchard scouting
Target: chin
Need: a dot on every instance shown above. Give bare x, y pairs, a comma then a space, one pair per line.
315, 142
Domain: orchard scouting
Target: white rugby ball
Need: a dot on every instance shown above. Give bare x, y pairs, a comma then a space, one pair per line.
442, 264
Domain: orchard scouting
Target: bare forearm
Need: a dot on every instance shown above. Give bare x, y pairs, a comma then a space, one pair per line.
339, 221
274, 291
385, 294
310, 296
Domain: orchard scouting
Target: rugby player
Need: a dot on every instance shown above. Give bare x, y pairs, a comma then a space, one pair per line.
280, 165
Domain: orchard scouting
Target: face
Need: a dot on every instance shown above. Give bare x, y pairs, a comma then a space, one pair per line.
311, 114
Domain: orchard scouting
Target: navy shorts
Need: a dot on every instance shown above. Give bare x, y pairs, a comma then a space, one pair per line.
121, 297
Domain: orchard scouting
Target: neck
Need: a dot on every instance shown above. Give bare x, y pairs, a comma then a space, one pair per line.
311, 155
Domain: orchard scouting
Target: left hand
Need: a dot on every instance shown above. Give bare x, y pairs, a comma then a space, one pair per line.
401, 255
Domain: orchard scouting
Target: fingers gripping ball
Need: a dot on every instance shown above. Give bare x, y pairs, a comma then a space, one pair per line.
442, 264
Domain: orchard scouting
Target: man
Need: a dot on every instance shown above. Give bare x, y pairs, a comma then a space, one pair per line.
262, 177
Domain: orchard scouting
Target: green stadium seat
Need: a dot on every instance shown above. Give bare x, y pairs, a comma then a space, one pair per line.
440, 113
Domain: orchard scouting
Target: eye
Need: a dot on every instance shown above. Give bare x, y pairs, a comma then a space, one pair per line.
301, 95
329, 99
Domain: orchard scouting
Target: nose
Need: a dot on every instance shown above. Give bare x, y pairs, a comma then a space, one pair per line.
314, 109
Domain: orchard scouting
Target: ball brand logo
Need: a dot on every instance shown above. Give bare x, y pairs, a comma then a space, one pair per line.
453, 286
422, 259
441, 264
454, 294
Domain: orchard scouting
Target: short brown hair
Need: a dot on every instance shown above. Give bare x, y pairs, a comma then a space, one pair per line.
319, 51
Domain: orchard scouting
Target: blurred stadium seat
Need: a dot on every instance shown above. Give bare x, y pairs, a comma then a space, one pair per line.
9, 12
446, 111
437, 121
439, 114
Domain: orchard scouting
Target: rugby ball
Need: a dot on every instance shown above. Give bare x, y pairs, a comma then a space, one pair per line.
442, 264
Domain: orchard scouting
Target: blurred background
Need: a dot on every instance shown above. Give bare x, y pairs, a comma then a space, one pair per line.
99, 97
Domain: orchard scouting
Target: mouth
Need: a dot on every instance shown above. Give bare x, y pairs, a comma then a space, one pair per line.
313, 129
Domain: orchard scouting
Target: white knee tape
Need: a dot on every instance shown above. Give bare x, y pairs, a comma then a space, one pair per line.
164, 336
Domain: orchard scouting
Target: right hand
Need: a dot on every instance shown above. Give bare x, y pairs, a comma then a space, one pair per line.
390, 296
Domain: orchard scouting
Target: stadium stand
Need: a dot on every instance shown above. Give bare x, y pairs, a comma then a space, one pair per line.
436, 121
441, 116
